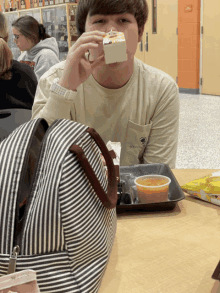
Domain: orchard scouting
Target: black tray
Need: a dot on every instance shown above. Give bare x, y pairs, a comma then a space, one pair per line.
175, 192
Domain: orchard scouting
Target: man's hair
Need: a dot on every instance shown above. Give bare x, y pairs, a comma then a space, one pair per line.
138, 8
30, 28
3, 27
6, 60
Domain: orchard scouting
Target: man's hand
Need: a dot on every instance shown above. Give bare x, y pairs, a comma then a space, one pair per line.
77, 68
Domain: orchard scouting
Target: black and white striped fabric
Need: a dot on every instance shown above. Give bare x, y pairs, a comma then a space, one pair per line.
67, 235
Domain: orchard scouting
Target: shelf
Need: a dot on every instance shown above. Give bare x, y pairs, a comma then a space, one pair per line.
49, 15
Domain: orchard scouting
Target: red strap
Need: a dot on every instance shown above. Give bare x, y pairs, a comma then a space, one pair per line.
109, 200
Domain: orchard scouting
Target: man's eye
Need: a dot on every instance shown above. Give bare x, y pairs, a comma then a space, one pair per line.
124, 20
99, 21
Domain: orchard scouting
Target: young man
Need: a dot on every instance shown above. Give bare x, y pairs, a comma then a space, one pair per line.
129, 101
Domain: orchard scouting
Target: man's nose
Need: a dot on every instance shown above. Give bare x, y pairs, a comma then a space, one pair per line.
111, 27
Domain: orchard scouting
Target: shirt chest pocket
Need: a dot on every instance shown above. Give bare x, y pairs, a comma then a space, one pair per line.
136, 141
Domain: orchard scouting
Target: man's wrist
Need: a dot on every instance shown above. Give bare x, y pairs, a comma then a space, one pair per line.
60, 90
66, 86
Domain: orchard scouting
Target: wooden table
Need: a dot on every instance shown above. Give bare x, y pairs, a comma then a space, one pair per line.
166, 252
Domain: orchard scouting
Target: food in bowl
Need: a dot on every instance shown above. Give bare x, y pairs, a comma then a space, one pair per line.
152, 188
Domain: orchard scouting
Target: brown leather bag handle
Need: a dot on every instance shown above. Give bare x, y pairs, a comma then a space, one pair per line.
109, 200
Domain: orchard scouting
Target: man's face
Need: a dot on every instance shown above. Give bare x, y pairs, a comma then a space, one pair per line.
125, 23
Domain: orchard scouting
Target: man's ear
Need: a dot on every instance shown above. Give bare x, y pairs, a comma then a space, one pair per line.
140, 33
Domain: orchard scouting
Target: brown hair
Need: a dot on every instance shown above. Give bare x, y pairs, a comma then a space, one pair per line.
3, 27
6, 59
138, 8
30, 28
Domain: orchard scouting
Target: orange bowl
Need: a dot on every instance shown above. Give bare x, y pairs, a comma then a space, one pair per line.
152, 188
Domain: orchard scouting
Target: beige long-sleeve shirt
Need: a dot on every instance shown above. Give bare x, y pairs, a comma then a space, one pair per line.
143, 115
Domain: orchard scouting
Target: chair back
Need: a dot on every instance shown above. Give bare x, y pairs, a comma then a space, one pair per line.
10, 119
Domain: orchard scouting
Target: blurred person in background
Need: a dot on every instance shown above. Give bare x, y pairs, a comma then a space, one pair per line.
17, 81
39, 50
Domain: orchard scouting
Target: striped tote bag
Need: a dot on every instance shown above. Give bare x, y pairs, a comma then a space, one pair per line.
57, 207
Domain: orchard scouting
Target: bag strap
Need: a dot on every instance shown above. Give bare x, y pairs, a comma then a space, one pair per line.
109, 200
27, 174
